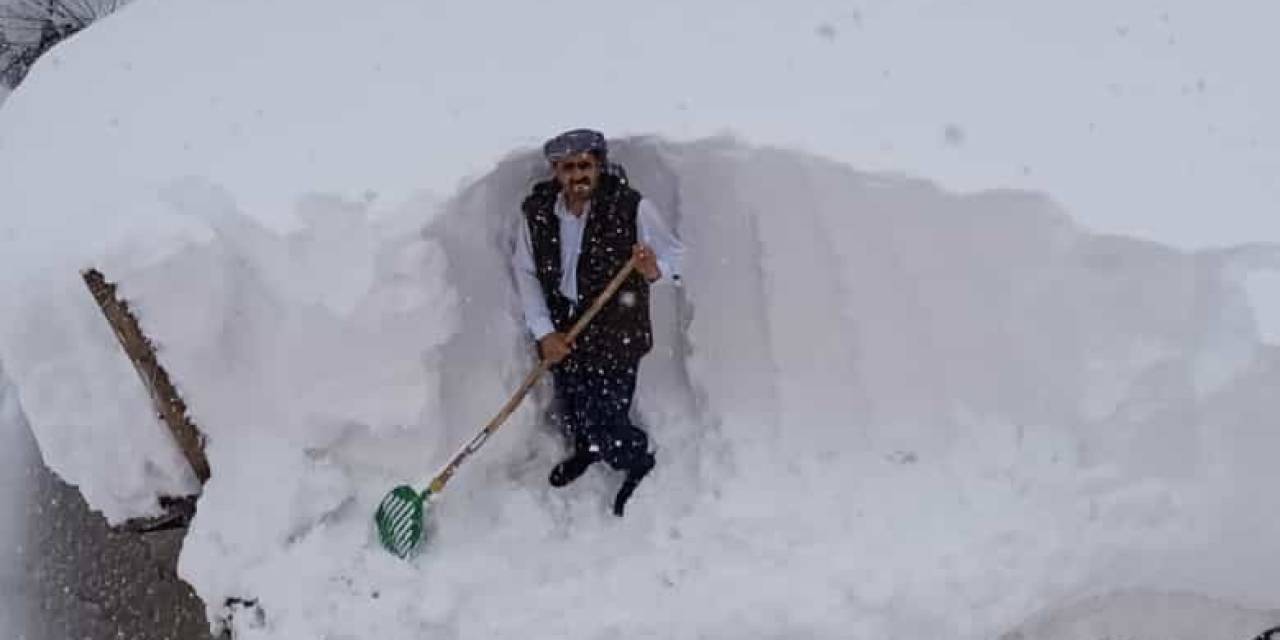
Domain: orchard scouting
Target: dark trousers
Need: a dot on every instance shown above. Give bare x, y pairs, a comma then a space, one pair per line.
593, 406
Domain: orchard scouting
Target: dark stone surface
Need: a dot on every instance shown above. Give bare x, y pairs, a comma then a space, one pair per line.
84, 580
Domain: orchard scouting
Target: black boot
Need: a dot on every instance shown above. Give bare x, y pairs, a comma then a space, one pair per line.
572, 468
634, 476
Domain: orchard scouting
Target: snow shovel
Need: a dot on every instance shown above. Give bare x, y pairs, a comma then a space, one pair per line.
401, 516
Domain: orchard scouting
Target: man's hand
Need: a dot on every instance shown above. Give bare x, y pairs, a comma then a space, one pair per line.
554, 347
646, 261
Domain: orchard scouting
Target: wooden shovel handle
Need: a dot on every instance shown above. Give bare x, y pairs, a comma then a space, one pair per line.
442, 478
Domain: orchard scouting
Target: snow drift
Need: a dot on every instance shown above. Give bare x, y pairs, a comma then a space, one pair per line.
891, 411
882, 409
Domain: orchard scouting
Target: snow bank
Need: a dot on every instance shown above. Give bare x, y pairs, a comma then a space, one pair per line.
882, 409
893, 411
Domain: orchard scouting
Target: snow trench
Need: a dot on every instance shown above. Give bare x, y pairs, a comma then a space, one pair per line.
880, 411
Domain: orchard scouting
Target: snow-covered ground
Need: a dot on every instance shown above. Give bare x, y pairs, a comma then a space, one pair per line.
901, 393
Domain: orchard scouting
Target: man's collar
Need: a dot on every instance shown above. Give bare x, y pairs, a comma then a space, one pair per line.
562, 209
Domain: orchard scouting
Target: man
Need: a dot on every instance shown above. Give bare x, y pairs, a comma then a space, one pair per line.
579, 230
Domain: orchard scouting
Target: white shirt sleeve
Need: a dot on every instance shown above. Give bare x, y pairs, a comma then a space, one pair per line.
667, 248
536, 315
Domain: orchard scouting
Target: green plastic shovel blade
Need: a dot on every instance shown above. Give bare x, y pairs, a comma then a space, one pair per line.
401, 521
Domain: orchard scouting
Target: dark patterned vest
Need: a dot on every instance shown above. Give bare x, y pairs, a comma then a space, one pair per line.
621, 331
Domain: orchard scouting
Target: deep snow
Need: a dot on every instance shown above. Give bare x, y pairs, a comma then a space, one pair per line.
883, 409
1004, 411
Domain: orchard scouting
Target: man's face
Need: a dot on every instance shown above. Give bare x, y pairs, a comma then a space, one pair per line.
578, 175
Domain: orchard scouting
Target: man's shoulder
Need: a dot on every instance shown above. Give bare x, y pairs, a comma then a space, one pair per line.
541, 197
544, 189
622, 187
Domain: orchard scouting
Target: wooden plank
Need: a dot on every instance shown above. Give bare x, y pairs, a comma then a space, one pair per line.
164, 397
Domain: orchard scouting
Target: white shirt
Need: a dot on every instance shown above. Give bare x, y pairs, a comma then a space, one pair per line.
652, 231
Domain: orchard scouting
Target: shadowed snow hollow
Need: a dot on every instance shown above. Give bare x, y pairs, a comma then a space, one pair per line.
881, 411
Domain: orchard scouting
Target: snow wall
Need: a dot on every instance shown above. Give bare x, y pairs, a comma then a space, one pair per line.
881, 410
